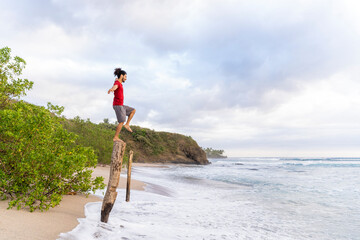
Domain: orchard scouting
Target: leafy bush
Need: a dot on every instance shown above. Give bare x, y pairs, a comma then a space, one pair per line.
39, 161
11, 87
97, 136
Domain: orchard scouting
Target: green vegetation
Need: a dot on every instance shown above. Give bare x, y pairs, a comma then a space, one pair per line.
96, 136
11, 87
212, 153
40, 161
148, 145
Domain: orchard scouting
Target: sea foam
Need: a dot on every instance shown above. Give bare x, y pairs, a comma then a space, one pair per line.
236, 198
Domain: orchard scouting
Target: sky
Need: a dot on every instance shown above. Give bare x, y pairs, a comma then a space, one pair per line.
255, 78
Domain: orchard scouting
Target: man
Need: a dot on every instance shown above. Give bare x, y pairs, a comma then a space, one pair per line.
121, 110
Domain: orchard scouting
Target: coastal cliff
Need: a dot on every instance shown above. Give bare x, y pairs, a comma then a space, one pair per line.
149, 146
163, 147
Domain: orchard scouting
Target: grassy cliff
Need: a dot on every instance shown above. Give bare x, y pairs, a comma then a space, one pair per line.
148, 145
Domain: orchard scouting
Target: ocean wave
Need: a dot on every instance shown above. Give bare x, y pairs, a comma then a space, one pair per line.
324, 164
321, 159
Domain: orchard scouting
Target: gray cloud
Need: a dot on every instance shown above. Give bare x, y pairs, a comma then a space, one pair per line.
187, 61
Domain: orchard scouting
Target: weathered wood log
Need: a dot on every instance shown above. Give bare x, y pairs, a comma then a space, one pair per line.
129, 176
115, 170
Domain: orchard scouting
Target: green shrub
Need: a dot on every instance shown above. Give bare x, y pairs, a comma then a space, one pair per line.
143, 140
97, 136
39, 161
11, 86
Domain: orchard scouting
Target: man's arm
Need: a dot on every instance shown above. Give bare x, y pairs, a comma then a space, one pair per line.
112, 89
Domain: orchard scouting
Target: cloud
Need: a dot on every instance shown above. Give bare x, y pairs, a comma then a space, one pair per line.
230, 73
322, 117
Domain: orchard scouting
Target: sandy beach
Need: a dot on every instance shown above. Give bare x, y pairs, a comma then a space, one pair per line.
24, 225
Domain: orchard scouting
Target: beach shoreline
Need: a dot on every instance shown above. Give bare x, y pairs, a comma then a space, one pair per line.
22, 224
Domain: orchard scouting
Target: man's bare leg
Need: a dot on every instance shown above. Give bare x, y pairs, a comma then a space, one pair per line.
127, 124
118, 129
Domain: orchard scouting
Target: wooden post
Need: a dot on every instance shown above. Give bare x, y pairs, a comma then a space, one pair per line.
115, 170
129, 177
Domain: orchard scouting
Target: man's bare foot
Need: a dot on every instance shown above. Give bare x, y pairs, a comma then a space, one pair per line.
127, 128
116, 139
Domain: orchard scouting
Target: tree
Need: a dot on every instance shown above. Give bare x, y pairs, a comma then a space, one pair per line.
11, 86
39, 161
213, 153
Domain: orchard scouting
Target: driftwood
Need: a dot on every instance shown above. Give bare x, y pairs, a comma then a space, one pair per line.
129, 177
115, 170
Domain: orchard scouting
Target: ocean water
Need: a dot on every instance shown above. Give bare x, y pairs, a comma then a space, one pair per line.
235, 198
